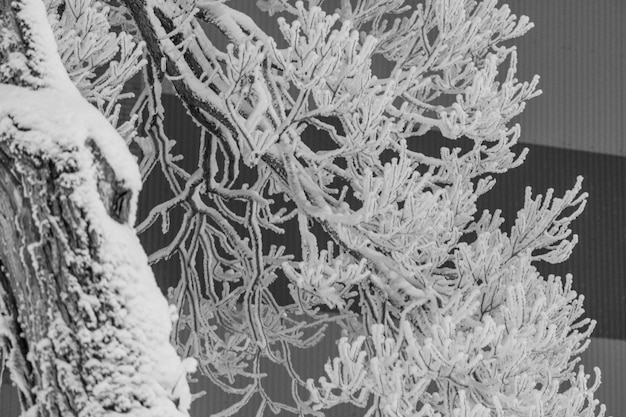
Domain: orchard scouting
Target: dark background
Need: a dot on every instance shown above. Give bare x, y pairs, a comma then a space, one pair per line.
575, 128
597, 263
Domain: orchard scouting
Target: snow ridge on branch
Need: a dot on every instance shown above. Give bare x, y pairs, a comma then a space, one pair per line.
98, 335
442, 312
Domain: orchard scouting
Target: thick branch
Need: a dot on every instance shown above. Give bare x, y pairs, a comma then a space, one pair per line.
86, 325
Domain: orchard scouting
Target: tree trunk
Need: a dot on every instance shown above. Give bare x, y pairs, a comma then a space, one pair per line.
83, 325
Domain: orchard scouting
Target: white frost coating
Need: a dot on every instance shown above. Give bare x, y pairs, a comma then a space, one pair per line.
71, 120
469, 317
58, 125
55, 76
33, 14
98, 55
31, 412
231, 21
9, 356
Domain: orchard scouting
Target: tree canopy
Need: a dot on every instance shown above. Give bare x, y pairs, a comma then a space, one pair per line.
443, 313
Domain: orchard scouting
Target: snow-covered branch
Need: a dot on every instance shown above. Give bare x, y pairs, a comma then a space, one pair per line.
446, 301
92, 320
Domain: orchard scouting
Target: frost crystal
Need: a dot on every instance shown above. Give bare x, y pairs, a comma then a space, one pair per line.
442, 312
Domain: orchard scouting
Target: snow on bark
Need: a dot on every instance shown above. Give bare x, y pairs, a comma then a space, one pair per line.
95, 322
139, 353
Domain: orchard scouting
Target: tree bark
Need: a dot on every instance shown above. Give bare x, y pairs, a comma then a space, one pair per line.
85, 328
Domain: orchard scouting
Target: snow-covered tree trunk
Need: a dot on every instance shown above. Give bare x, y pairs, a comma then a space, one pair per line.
84, 326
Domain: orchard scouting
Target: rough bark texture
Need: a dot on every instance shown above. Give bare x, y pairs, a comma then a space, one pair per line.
65, 307
12, 210
43, 231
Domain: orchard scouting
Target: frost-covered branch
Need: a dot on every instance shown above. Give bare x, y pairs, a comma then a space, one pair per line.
451, 313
